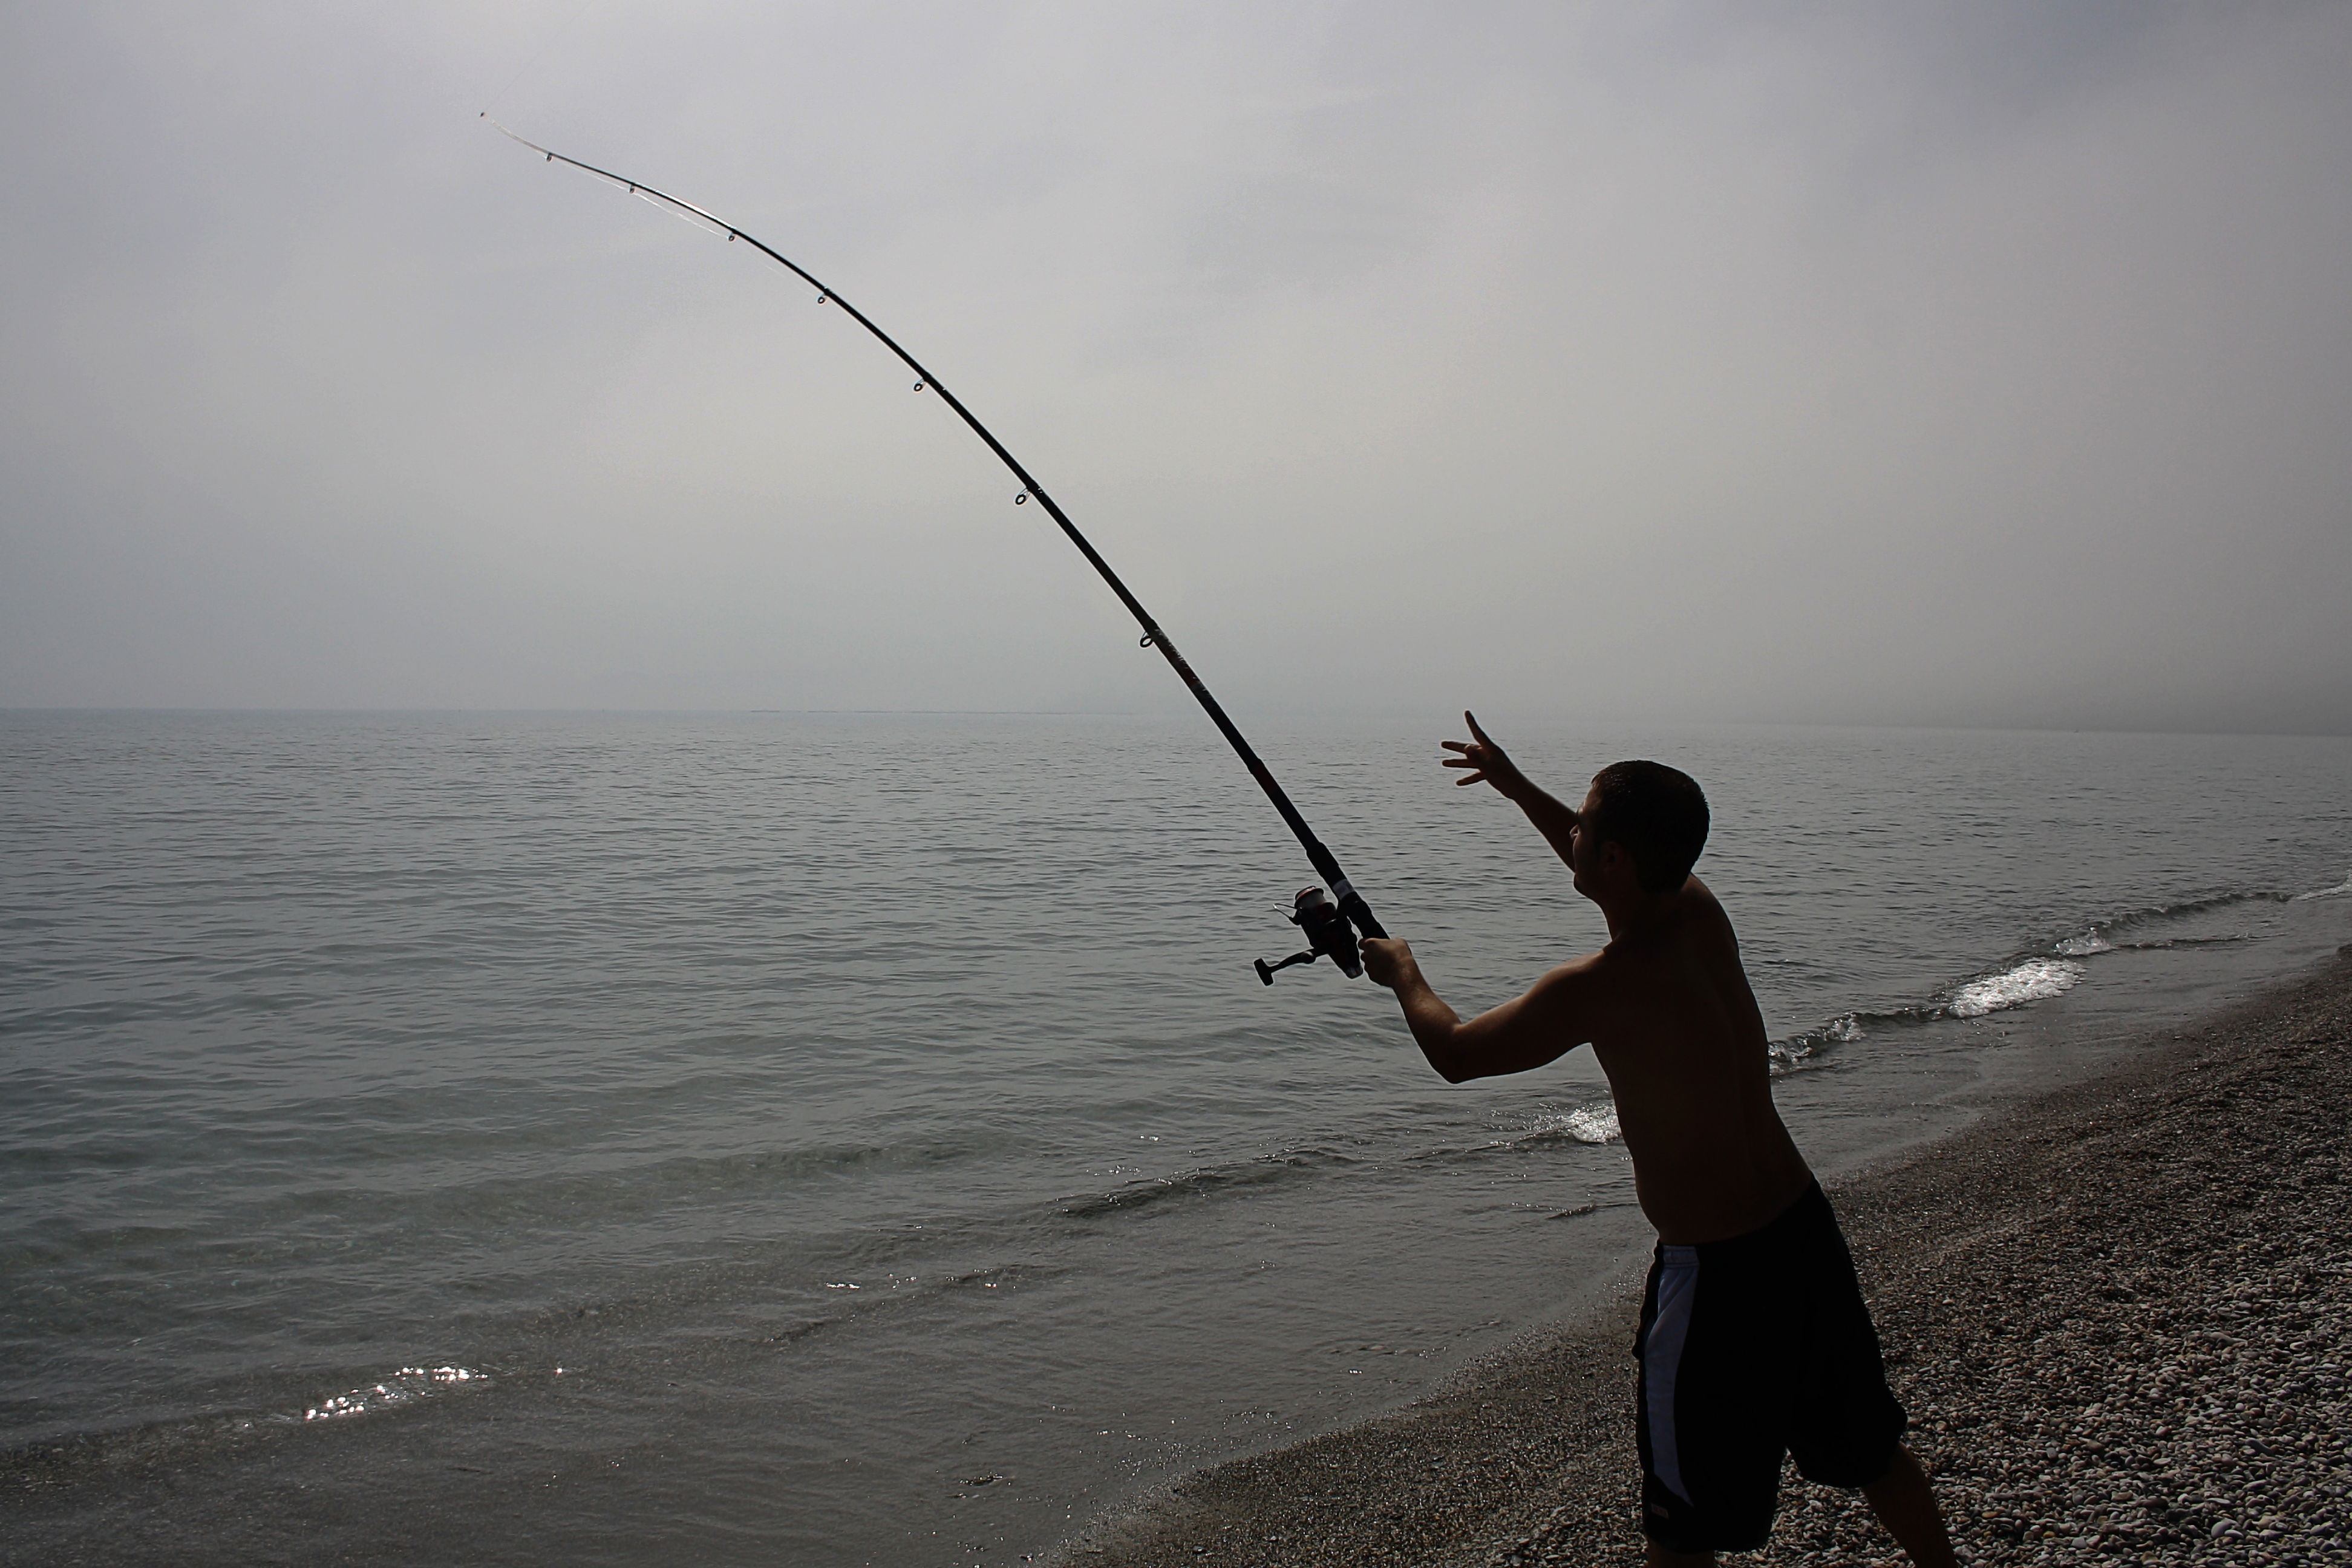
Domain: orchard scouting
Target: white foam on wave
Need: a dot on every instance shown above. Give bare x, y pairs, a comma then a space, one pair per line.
2083, 946
2035, 980
2342, 889
1793, 1052
406, 1387
1594, 1123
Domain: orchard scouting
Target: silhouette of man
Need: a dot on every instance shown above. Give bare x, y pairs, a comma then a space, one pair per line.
1755, 1340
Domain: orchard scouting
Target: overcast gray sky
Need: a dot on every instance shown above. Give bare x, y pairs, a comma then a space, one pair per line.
1976, 363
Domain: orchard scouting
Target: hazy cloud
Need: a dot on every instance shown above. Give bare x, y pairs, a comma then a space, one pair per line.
1984, 364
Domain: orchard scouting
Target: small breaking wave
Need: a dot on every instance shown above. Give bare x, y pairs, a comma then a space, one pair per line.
174, 1439
889, 1291
2035, 980
2037, 976
1796, 1049
407, 1386
2093, 945
2112, 935
1593, 1123
1206, 1182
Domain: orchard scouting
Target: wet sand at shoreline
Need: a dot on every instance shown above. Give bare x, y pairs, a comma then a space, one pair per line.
2119, 1315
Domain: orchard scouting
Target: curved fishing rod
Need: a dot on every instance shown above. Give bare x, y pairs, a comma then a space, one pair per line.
1326, 925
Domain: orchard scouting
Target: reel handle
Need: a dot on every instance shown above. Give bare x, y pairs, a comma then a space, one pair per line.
1265, 970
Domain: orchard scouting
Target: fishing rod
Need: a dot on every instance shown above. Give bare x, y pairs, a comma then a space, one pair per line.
1324, 922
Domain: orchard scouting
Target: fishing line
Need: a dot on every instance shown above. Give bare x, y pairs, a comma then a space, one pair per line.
539, 55
1324, 922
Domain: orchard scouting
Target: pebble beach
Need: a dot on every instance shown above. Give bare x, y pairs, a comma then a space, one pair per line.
2119, 1315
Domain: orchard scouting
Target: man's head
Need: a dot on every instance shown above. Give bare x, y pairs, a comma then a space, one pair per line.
1654, 814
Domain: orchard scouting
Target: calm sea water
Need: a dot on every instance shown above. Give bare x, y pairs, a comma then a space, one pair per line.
828, 1140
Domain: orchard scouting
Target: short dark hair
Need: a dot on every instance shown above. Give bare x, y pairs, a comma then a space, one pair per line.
1658, 815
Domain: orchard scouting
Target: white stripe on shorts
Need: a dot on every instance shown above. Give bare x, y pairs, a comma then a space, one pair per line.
1662, 1356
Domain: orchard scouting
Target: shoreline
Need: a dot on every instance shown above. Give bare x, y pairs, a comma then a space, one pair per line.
2119, 1312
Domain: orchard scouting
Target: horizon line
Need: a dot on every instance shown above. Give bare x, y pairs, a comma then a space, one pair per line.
1169, 711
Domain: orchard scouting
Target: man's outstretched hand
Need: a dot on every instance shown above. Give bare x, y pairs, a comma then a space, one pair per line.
1487, 763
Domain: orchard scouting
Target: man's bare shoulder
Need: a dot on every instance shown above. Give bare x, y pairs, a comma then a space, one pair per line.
1574, 981
1699, 899
1702, 924
1573, 969
1599, 992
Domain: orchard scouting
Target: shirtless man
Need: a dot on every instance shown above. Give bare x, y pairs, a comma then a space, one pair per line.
1754, 1340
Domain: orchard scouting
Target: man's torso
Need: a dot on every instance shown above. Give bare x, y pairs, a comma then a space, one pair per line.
1678, 1032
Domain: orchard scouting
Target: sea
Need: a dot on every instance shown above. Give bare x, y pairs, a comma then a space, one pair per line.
862, 1139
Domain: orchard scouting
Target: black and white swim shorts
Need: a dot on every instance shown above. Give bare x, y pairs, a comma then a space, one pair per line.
1751, 1348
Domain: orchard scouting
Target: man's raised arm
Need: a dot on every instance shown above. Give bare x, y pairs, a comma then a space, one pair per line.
1489, 763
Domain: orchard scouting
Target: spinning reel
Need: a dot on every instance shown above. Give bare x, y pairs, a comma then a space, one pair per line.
1328, 936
